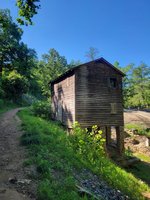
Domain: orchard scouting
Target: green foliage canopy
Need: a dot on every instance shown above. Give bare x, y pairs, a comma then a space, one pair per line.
50, 67
15, 85
27, 9
10, 35
16, 59
136, 85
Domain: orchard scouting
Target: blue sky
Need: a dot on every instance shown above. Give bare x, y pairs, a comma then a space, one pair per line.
119, 29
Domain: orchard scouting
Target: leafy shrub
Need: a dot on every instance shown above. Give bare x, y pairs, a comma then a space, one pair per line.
42, 109
88, 145
14, 86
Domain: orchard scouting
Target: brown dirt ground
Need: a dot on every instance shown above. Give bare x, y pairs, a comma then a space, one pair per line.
12, 156
137, 117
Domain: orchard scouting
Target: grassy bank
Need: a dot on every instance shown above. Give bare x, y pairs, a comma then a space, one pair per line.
50, 150
54, 161
143, 157
142, 168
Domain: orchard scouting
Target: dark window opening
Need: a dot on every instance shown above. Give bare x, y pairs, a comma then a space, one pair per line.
113, 82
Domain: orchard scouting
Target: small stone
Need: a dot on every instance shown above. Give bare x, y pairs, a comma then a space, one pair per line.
24, 181
12, 180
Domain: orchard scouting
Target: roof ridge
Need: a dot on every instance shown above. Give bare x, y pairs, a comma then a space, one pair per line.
74, 68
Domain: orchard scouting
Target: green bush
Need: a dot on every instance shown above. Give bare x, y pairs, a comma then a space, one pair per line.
42, 109
14, 86
88, 145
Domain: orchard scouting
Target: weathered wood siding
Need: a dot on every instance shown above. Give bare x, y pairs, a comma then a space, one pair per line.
95, 98
63, 100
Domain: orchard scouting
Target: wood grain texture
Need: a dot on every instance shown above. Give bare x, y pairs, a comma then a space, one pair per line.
63, 101
86, 95
94, 96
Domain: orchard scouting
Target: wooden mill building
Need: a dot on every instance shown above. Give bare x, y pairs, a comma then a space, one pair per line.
91, 94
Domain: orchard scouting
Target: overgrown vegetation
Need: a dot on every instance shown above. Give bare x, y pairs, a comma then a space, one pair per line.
140, 129
5, 106
42, 109
49, 151
136, 85
57, 155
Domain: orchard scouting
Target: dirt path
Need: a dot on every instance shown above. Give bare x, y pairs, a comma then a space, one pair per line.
137, 117
14, 183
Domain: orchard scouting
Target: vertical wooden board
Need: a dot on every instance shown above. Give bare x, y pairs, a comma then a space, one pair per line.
94, 95
63, 100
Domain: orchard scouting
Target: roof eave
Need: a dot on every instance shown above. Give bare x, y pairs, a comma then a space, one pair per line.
74, 68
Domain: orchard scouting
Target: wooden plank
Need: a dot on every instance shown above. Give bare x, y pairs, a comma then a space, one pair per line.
94, 96
63, 100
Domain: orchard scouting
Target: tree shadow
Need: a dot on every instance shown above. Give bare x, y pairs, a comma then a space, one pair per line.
61, 108
141, 170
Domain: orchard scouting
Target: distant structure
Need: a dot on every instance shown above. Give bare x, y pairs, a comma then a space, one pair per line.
91, 94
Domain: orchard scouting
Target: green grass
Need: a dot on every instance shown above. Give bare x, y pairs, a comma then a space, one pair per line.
130, 126
141, 170
54, 160
139, 127
6, 105
50, 151
143, 157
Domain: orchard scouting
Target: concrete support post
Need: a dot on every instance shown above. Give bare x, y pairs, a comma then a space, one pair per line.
120, 139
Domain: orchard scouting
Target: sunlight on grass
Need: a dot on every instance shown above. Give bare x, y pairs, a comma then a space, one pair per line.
143, 157
50, 150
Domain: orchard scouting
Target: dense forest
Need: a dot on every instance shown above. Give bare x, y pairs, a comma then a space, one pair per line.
24, 78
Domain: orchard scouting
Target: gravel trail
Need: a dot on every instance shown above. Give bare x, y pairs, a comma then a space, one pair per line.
14, 183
